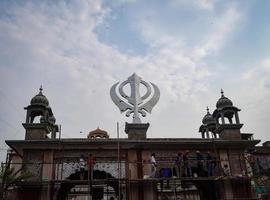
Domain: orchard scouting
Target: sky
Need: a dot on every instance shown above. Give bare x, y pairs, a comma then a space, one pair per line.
189, 48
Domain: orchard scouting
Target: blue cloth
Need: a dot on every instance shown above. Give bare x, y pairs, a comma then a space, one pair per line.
166, 172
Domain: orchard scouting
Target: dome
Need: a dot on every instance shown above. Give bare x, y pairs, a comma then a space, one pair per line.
223, 101
208, 118
40, 99
98, 133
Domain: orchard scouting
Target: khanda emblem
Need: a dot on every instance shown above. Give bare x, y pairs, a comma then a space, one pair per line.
135, 103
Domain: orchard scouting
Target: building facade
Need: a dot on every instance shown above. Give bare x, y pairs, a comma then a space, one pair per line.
217, 165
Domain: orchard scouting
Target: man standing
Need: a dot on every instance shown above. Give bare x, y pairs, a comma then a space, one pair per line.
199, 163
82, 167
187, 166
153, 165
210, 164
91, 163
179, 163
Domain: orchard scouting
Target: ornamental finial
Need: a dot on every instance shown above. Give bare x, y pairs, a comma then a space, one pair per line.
40, 89
222, 93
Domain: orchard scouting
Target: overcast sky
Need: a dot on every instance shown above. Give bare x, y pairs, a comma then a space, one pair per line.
189, 48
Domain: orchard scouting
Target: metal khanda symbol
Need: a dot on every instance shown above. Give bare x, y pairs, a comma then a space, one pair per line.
135, 103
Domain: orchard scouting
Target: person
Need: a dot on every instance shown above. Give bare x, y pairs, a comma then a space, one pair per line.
166, 173
179, 163
199, 163
210, 164
153, 165
187, 167
82, 167
226, 170
91, 163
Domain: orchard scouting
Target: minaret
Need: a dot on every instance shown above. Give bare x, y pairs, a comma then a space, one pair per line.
227, 120
39, 107
208, 127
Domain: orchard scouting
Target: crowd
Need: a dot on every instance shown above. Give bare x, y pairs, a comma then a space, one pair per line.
184, 165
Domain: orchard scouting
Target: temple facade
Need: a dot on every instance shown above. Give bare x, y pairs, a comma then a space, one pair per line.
215, 166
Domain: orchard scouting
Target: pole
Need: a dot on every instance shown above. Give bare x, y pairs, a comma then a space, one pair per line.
90, 180
118, 153
62, 149
59, 150
59, 161
175, 194
2, 168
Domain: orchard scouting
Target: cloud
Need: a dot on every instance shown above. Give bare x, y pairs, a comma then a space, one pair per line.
252, 95
184, 68
201, 4
260, 75
55, 44
224, 26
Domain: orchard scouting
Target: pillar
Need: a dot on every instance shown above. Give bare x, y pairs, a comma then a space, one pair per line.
207, 133
222, 118
47, 175
203, 134
237, 118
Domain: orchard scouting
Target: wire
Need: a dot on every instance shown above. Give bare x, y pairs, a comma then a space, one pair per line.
9, 101
10, 125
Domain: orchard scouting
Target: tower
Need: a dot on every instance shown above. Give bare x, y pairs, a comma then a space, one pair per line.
208, 127
227, 120
39, 128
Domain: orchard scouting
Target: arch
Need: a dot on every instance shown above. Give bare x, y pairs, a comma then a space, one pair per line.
36, 119
35, 113
66, 187
227, 120
228, 117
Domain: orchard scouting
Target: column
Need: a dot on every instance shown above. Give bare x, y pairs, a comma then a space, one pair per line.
222, 118
207, 133
47, 175
203, 136
237, 118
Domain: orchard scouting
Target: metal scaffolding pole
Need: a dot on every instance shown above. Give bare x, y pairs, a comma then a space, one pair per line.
118, 153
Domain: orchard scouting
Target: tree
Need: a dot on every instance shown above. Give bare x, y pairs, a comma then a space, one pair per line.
9, 178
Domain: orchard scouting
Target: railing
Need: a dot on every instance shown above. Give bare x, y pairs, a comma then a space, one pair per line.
170, 178
194, 168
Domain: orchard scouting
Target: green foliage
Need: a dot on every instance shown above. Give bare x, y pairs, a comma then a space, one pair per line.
9, 178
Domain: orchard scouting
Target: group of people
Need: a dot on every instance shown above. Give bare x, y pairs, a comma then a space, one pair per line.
185, 164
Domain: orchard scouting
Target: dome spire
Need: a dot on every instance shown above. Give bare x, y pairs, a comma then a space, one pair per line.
40, 89
40, 99
222, 93
208, 118
207, 109
223, 101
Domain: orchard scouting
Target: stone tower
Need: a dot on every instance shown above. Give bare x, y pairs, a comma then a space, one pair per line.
40, 121
227, 120
208, 127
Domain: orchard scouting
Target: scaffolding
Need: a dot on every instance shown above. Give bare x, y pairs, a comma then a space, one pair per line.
107, 187
112, 177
